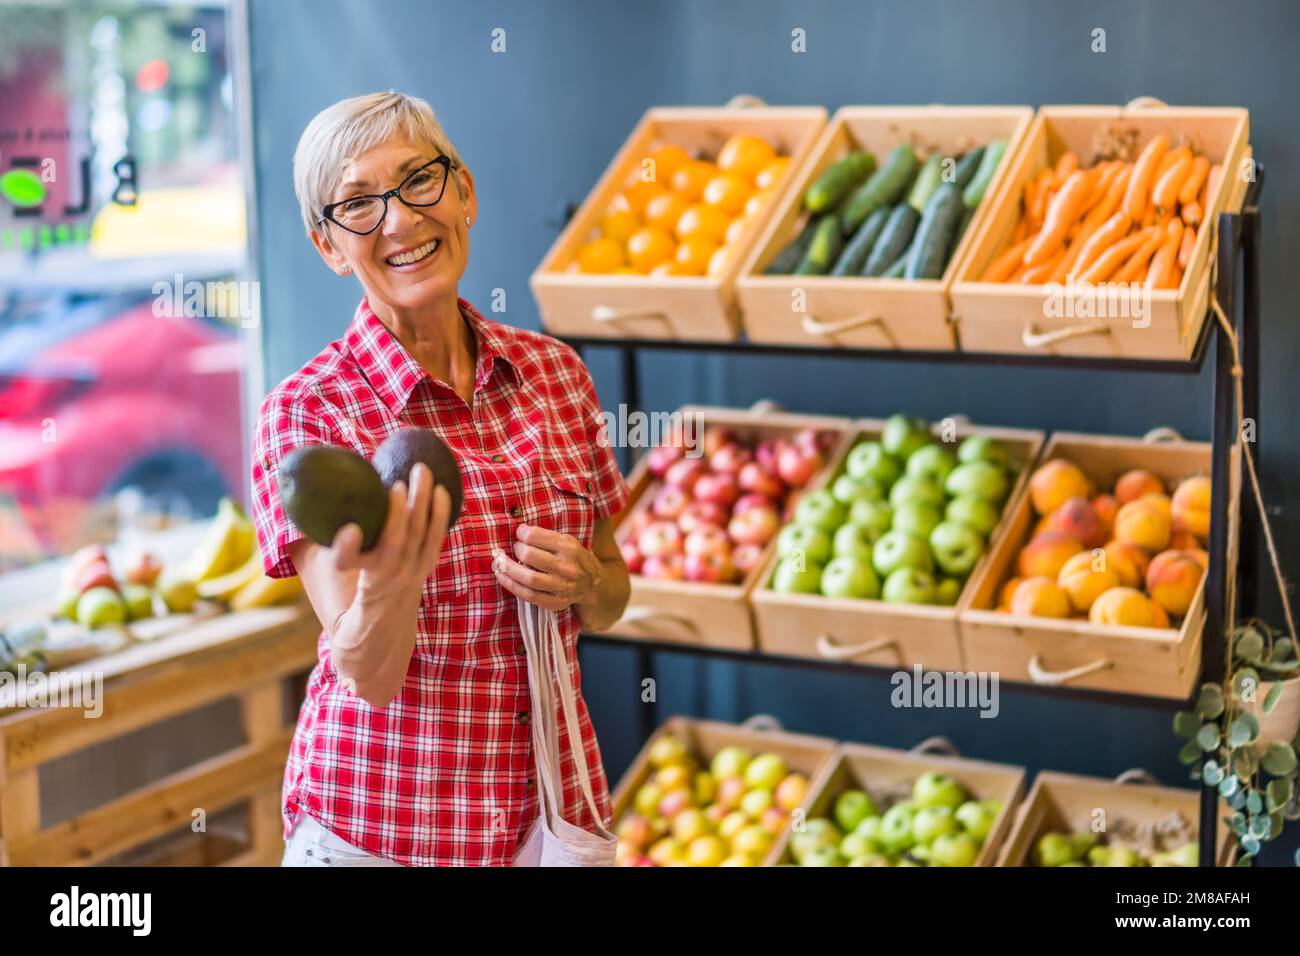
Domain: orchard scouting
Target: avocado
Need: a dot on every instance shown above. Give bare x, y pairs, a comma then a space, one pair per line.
323, 488
400, 452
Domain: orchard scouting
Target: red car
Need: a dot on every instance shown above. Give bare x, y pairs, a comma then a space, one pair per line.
99, 394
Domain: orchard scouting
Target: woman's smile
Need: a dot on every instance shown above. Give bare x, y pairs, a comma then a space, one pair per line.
414, 258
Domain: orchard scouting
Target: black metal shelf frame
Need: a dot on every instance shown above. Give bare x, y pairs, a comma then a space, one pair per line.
1238, 239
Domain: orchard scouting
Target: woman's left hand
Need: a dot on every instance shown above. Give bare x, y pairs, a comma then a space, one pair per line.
553, 570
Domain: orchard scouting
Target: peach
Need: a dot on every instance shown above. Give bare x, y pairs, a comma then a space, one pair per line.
1162, 502
1159, 616
1042, 525
1085, 577
1106, 506
1183, 540
1172, 579
1040, 597
1128, 561
1077, 518
1143, 523
1007, 591
1201, 556
1191, 506
1132, 485
1123, 606
1046, 554
1055, 483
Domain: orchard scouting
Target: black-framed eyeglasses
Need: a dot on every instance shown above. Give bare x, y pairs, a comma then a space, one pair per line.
362, 215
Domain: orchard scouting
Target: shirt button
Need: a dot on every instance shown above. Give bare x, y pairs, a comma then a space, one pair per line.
528, 784
588, 487
498, 458
522, 718
516, 511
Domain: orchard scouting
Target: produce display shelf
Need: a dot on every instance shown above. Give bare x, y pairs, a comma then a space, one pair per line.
1238, 246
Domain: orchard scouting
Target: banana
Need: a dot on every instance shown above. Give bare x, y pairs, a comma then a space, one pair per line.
229, 544
221, 588
263, 591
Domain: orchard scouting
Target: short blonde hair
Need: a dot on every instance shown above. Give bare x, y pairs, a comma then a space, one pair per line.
348, 129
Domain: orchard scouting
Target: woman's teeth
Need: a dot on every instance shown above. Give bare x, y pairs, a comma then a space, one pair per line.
415, 255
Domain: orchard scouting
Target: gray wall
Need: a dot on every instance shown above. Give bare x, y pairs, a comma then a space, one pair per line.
538, 123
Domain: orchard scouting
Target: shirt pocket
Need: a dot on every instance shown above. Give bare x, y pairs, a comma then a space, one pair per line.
565, 504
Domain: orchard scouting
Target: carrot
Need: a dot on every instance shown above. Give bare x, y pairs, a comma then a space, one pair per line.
1002, 267
1079, 236
1109, 233
1171, 157
1022, 231
1144, 172
1114, 195
1211, 184
1042, 195
1185, 250
1151, 215
1160, 271
1167, 188
1191, 213
1041, 272
1192, 184
1061, 214
1175, 278
1114, 257
1106, 174
1137, 263
1066, 165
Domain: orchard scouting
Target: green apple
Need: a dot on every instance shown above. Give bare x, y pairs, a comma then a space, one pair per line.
925, 490
730, 761
956, 547
931, 461
67, 603
819, 509
847, 577
908, 586
823, 856
896, 827
916, 517
947, 591
848, 489
874, 517
100, 607
813, 543
854, 846
869, 461
870, 859
983, 448
977, 817
934, 789
982, 479
851, 808
974, 512
816, 833
139, 601
898, 549
869, 829
954, 849
931, 822
794, 576
765, 771
853, 541
904, 434
178, 593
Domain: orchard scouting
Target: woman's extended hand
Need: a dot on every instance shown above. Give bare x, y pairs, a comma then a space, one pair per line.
553, 570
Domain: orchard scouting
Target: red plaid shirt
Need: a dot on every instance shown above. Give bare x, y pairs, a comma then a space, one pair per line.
444, 774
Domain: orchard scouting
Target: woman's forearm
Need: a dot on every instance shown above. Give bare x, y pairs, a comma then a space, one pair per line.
612, 592
371, 646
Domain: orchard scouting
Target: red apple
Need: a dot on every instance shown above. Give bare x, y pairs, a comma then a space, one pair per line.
701, 514
745, 502
683, 474
796, 466
669, 502
807, 441
144, 569
659, 538
754, 526
765, 454
632, 557
709, 568
661, 457
753, 477
720, 489
729, 459
708, 540
746, 557
664, 567
715, 438
93, 574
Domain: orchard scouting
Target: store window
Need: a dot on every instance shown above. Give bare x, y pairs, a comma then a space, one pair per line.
125, 300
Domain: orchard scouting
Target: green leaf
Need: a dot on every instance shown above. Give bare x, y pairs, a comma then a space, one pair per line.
1208, 737
1254, 802
1242, 731
1297, 856
1189, 753
1283, 650
1244, 859
1239, 822
1272, 697
1186, 724
1212, 774
1278, 793
1245, 763
1279, 760
1250, 845
1237, 800
1249, 644
1245, 685
1228, 786
1259, 827
1275, 824
1209, 702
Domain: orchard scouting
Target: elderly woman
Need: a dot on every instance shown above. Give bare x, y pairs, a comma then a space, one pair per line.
413, 743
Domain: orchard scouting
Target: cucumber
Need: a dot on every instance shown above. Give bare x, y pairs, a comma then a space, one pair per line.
927, 181
823, 250
967, 165
975, 189
788, 259
893, 240
885, 187
896, 270
966, 217
854, 256
836, 182
934, 236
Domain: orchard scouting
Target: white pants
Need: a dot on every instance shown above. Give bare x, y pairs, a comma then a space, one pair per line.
310, 844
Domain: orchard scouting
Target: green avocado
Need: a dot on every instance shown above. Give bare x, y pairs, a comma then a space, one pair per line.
323, 488
403, 449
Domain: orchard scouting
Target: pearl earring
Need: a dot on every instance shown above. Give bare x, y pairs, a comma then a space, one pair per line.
346, 270
467, 220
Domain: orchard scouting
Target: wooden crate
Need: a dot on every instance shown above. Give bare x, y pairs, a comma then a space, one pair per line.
803, 753
884, 772
1008, 317
246, 655
863, 312
872, 631
1068, 803
712, 615
1048, 651
687, 307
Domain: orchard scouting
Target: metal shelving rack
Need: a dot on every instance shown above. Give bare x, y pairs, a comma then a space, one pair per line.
1238, 240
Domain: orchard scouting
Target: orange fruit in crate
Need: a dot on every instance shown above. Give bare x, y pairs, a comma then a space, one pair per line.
718, 261
700, 219
670, 268
737, 228
625, 271
648, 247
755, 203
691, 179
664, 210
639, 194
771, 174
693, 254
728, 192
667, 159
745, 156
600, 256
619, 223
